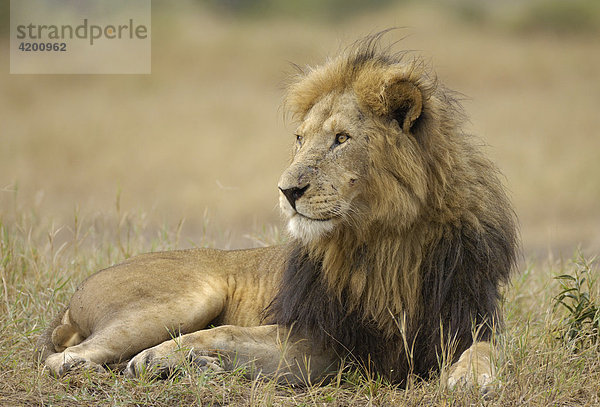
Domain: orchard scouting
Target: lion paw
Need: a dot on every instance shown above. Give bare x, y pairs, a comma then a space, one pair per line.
467, 379
60, 364
150, 362
474, 369
206, 363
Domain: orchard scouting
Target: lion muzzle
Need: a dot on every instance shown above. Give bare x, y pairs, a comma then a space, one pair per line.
293, 194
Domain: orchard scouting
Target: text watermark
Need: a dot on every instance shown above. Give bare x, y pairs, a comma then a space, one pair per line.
83, 36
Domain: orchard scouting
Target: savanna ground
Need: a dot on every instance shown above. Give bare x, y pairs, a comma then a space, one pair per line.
95, 169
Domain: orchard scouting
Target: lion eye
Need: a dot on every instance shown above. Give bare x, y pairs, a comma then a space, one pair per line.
341, 138
299, 139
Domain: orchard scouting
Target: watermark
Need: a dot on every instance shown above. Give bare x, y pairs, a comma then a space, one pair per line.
80, 36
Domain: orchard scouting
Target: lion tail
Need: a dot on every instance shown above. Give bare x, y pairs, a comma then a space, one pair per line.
59, 335
44, 346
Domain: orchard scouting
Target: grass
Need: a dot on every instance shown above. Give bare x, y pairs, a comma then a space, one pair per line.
41, 263
579, 298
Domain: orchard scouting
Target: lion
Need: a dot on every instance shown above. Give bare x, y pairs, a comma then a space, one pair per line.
401, 235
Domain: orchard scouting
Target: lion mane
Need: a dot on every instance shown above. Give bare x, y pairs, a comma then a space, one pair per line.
421, 272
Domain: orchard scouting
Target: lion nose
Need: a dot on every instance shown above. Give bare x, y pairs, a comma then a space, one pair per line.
293, 194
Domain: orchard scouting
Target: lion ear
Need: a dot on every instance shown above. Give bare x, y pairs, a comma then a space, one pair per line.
403, 102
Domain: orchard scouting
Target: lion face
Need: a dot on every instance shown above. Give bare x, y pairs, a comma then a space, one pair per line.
322, 187
359, 159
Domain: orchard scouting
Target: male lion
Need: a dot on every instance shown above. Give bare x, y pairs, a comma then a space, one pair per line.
400, 236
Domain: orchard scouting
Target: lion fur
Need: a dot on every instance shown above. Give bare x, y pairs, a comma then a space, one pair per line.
404, 276
425, 267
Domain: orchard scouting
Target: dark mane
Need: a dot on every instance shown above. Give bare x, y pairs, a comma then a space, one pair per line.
423, 271
459, 293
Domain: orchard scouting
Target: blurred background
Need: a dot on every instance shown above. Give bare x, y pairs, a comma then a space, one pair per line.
203, 139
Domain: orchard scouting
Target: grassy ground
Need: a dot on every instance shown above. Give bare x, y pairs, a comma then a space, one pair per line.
42, 263
180, 143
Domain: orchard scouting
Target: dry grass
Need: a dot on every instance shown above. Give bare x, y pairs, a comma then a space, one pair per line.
202, 139
41, 264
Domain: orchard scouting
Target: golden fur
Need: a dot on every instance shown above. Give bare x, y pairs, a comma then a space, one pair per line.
425, 179
401, 233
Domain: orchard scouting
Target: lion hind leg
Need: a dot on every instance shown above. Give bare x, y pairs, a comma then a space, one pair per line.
59, 335
65, 334
63, 362
112, 344
89, 354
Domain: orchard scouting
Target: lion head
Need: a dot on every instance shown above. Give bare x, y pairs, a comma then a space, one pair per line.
399, 221
357, 158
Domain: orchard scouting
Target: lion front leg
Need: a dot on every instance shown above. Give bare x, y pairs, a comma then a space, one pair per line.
267, 350
474, 367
